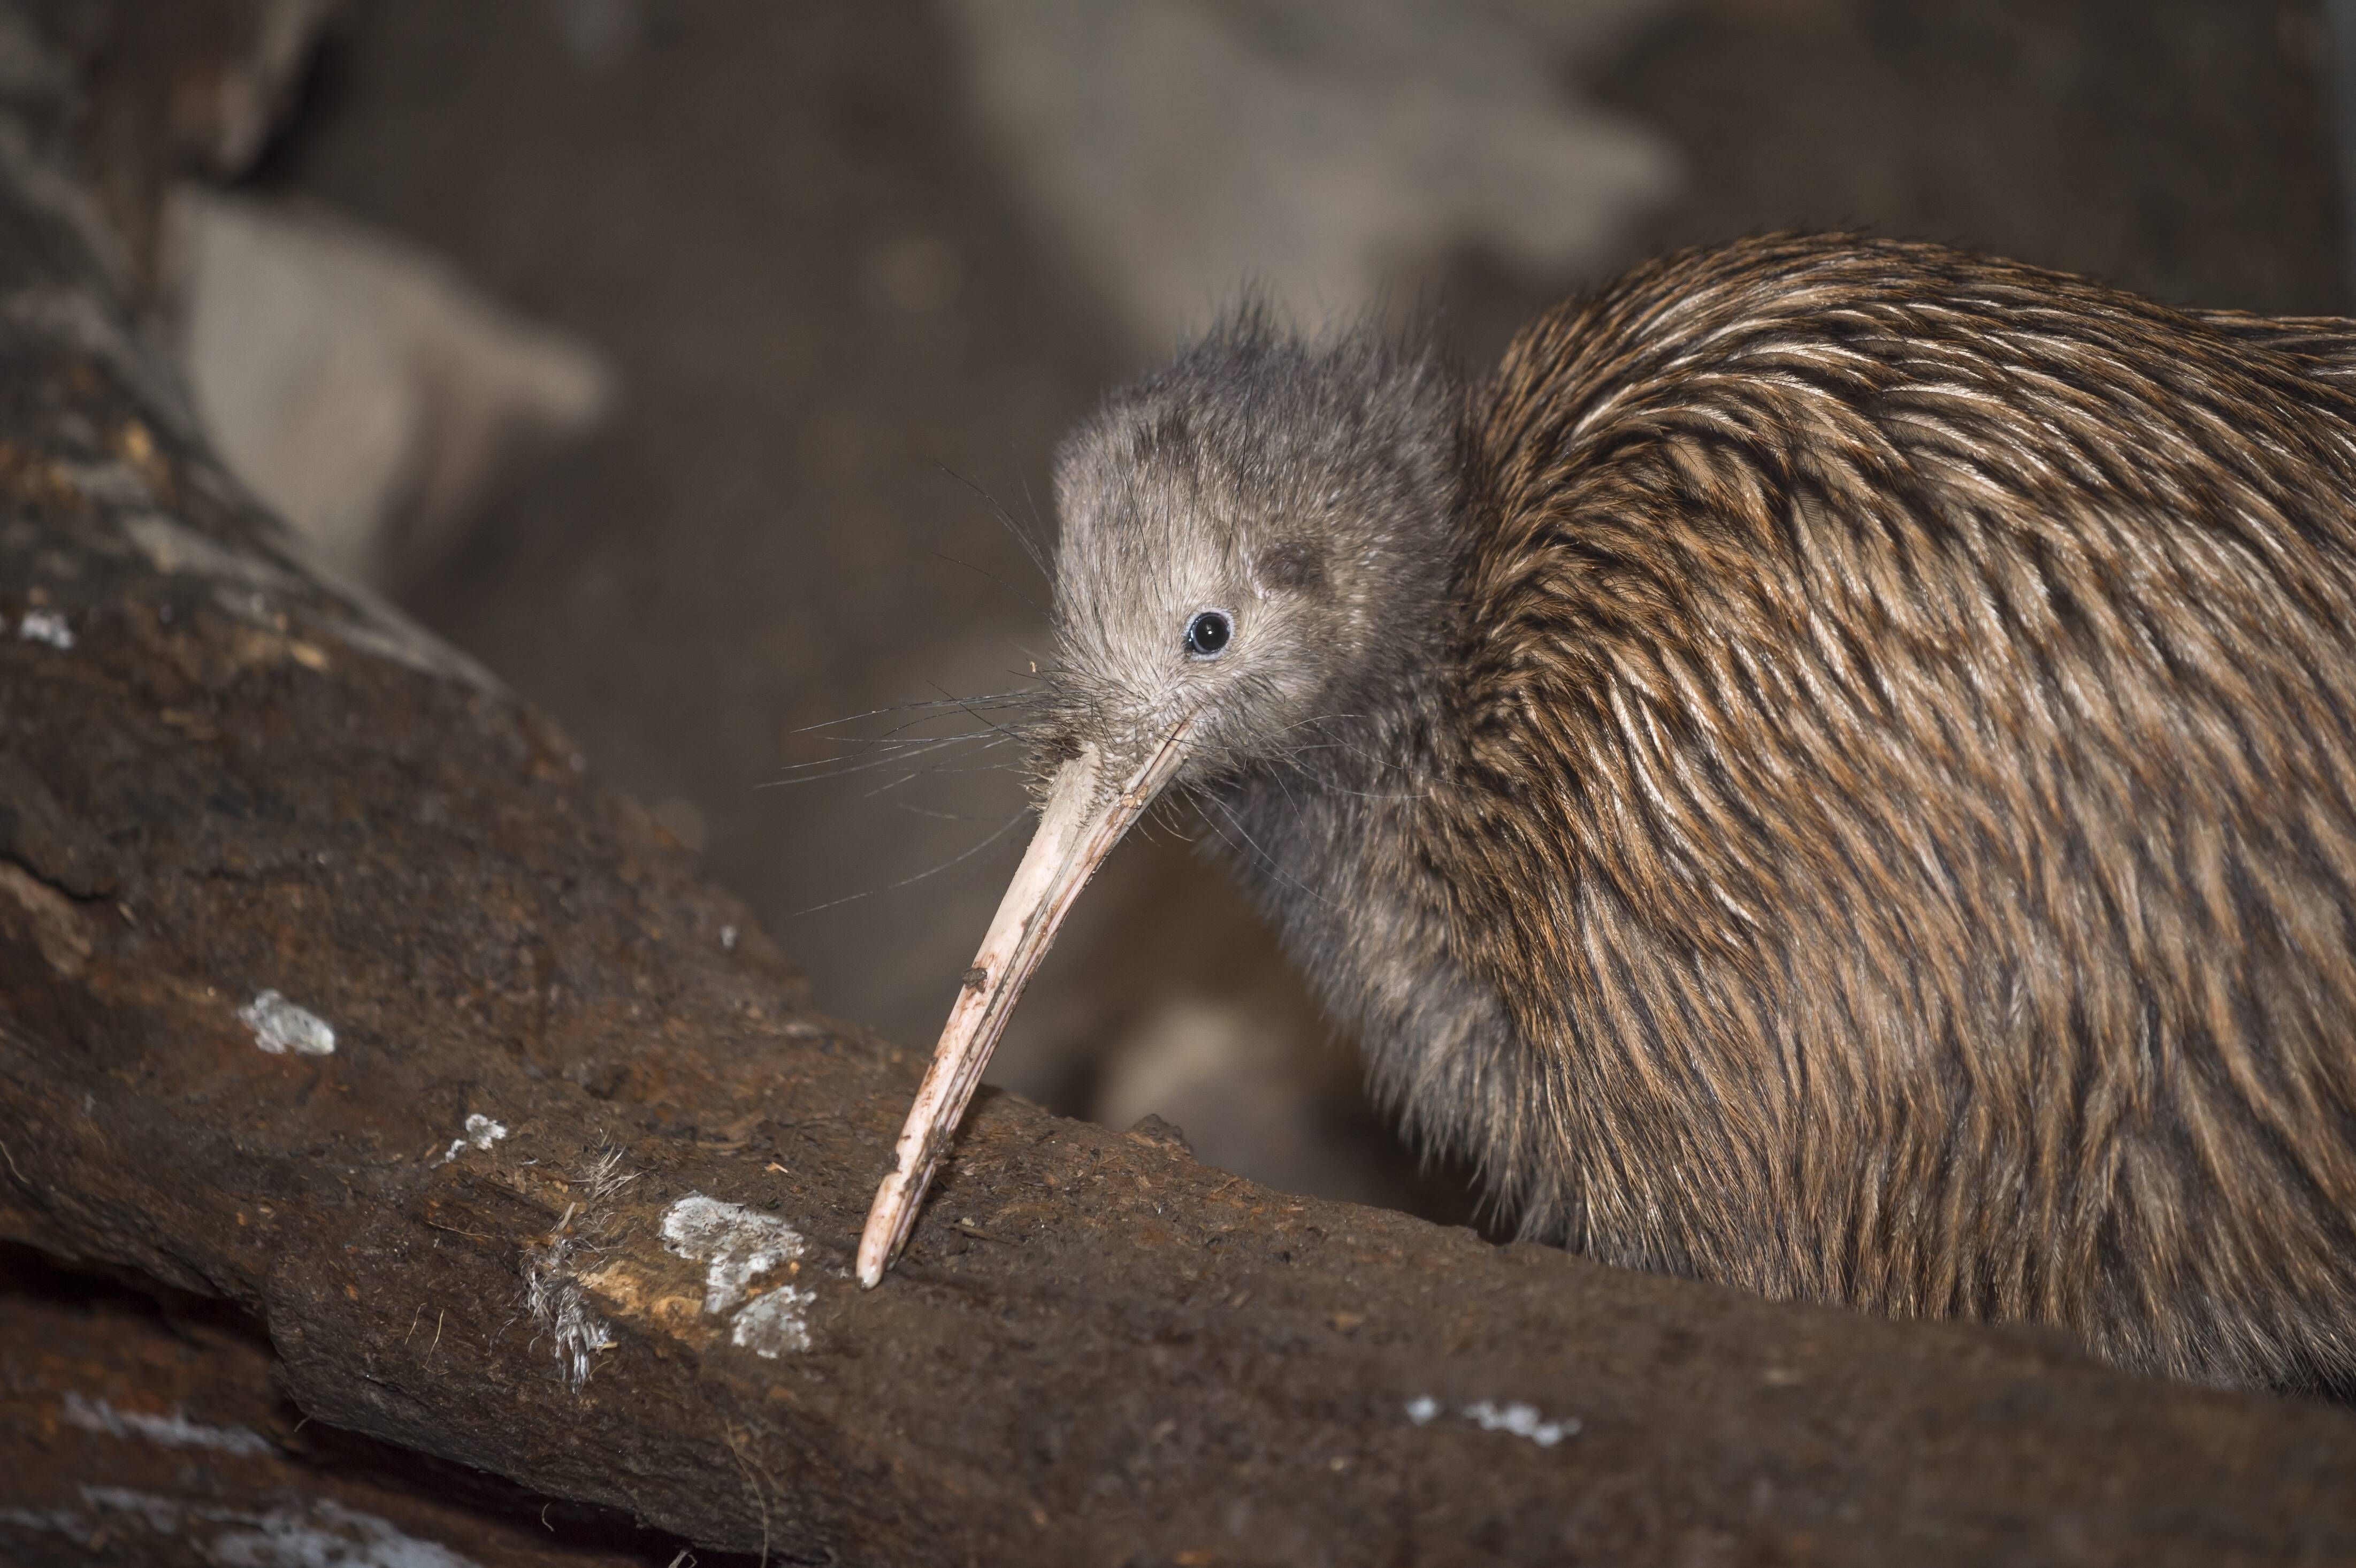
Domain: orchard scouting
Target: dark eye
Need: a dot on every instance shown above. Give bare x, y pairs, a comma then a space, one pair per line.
1208, 634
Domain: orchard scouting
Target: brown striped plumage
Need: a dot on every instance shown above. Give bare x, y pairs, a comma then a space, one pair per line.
1833, 772
1927, 690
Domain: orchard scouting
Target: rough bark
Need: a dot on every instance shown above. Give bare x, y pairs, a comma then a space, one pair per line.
220, 779
146, 1434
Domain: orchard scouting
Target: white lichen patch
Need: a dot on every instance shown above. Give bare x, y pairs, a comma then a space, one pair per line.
771, 1324
1519, 1419
735, 1245
280, 1027
173, 1431
46, 625
480, 1133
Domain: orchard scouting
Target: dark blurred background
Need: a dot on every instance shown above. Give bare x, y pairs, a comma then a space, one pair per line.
695, 363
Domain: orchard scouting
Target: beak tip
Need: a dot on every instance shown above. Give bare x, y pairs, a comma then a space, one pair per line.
876, 1241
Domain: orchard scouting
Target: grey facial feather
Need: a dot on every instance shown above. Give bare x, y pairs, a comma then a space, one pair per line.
1303, 488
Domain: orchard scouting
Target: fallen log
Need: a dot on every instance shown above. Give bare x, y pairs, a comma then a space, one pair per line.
140, 1432
335, 988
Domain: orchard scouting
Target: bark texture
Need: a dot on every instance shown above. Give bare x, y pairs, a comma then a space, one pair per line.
142, 1432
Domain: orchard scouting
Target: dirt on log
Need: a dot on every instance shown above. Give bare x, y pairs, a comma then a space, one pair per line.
336, 989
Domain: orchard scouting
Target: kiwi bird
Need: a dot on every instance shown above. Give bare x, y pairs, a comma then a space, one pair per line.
1833, 770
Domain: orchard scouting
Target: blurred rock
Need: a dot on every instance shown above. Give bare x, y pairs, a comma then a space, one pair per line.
601, 33
167, 91
2178, 148
1256, 1092
251, 89
357, 382
1185, 147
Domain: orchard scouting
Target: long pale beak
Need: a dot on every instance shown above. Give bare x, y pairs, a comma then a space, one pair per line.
1077, 828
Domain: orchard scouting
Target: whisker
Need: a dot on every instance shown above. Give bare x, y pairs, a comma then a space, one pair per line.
1000, 729
1290, 760
988, 698
934, 871
918, 749
870, 743
985, 572
1031, 505
937, 816
1030, 545
1267, 860
895, 746
929, 772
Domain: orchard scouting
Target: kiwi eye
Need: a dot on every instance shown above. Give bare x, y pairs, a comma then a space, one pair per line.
1208, 634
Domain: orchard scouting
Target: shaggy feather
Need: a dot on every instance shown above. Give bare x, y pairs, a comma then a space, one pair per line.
1833, 772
